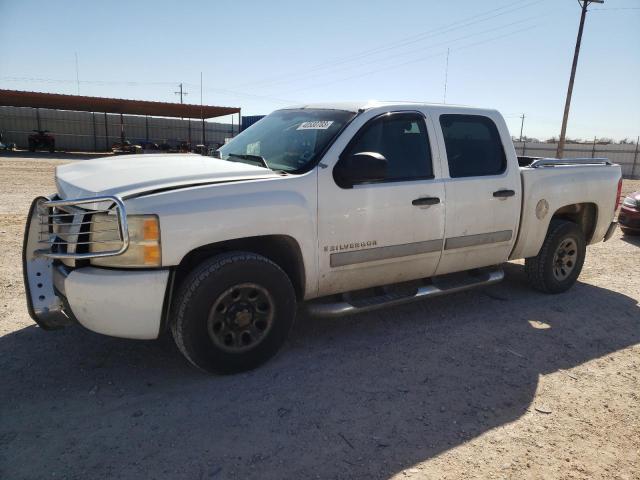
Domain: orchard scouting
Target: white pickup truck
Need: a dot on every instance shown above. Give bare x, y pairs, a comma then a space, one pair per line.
345, 207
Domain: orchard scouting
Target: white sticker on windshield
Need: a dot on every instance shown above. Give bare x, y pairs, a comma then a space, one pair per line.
317, 125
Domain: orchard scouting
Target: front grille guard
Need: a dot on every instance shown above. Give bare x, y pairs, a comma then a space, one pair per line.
50, 219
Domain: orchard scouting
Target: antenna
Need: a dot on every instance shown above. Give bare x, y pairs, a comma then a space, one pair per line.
446, 78
77, 74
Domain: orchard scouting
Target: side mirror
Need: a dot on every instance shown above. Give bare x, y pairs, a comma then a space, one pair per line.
362, 167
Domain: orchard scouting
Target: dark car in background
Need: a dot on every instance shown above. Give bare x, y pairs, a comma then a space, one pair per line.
148, 146
629, 216
42, 140
169, 146
126, 147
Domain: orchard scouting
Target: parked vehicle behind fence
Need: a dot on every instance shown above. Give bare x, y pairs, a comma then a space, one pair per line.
42, 140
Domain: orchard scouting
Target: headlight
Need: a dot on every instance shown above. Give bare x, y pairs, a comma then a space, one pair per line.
631, 202
144, 242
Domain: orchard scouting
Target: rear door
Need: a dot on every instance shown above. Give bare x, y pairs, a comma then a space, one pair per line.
483, 190
388, 231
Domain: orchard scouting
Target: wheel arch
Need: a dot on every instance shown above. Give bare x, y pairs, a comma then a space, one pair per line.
283, 250
585, 215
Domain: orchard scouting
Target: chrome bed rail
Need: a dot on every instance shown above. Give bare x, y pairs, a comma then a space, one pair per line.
563, 162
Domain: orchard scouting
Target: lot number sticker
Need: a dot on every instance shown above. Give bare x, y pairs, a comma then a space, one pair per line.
317, 125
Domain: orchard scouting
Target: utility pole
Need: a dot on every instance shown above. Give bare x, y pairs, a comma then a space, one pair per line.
521, 126
567, 105
181, 93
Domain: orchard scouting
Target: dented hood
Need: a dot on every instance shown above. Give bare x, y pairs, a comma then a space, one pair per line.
130, 175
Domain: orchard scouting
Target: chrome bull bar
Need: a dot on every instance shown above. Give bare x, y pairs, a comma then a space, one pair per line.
60, 232
65, 227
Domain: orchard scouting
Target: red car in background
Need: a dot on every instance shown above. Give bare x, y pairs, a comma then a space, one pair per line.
629, 216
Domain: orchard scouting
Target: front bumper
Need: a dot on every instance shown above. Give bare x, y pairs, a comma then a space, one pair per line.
121, 303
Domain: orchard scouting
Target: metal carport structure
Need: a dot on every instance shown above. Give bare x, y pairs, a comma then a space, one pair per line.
54, 101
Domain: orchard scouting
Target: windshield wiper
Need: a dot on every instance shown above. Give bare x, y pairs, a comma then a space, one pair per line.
256, 158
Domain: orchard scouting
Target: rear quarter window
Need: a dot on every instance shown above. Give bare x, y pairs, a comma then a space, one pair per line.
473, 145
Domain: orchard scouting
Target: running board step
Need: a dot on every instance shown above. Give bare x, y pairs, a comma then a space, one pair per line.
436, 286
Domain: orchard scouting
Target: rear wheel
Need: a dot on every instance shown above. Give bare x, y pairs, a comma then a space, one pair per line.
233, 312
557, 267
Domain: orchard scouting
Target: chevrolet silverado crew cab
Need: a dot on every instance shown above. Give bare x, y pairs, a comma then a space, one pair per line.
342, 207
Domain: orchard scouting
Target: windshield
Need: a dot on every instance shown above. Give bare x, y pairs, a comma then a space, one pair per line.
286, 140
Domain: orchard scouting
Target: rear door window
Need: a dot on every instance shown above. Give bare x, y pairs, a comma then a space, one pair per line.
473, 145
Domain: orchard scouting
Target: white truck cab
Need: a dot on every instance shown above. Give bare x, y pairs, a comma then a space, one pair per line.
341, 207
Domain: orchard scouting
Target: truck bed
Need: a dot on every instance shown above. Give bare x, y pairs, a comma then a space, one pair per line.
549, 184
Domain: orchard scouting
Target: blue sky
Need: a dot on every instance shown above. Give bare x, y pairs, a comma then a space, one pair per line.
513, 55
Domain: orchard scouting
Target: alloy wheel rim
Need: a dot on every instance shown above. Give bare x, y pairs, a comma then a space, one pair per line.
565, 258
241, 317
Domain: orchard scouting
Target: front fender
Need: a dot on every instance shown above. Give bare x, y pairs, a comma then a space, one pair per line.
198, 216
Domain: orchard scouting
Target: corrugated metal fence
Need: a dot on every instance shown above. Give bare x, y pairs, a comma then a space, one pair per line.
627, 156
83, 131
88, 132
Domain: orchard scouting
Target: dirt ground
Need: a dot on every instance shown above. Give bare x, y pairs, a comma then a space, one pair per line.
501, 382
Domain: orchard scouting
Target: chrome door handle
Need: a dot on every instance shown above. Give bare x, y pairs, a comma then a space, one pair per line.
426, 201
504, 193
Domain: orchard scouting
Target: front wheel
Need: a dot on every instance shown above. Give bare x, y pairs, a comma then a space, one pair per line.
558, 264
233, 313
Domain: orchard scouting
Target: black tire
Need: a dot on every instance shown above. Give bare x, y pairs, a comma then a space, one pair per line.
194, 318
542, 270
627, 231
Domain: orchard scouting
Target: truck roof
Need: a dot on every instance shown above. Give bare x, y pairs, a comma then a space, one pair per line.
368, 104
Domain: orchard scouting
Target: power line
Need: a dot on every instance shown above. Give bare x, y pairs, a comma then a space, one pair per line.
611, 9
87, 82
369, 72
138, 84
421, 49
248, 95
405, 41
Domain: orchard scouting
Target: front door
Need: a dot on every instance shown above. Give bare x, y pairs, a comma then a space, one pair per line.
390, 230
